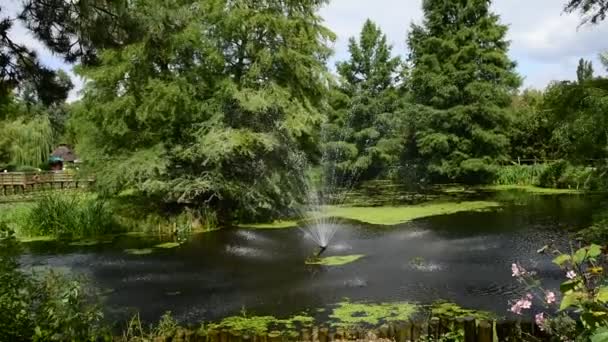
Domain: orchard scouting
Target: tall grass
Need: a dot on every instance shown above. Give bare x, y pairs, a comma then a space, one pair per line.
520, 174
78, 215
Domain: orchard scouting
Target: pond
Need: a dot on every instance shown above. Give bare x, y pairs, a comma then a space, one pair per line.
464, 258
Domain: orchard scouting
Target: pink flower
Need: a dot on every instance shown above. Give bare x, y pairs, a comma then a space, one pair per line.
517, 270
550, 297
529, 296
571, 274
540, 321
521, 304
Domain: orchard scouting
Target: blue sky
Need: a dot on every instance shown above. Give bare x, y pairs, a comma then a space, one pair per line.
546, 42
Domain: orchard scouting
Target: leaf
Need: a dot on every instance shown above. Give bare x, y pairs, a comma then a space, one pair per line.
580, 256
594, 251
568, 286
562, 259
600, 335
570, 299
602, 294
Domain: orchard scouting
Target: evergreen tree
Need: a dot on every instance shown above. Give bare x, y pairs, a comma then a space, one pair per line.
215, 106
364, 129
461, 72
584, 71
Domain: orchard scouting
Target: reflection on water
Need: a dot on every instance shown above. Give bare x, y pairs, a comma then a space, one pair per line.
464, 258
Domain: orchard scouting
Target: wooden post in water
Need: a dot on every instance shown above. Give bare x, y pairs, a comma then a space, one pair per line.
213, 336
484, 332
470, 330
404, 332
305, 335
434, 328
275, 336
323, 335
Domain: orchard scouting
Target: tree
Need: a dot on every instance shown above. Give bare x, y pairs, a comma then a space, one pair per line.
214, 107
20, 69
461, 70
584, 71
364, 131
594, 10
531, 127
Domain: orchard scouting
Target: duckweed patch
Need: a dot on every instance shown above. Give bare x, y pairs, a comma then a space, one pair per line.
339, 260
347, 314
397, 215
168, 245
261, 324
451, 310
142, 251
272, 225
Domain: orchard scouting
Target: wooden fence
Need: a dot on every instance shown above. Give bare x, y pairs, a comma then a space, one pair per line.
12, 183
433, 330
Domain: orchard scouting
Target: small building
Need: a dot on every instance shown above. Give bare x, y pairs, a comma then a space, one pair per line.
62, 157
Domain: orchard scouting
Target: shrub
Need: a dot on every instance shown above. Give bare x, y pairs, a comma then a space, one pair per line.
73, 214
563, 175
550, 177
48, 308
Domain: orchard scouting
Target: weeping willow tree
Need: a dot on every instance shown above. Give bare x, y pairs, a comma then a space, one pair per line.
27, 142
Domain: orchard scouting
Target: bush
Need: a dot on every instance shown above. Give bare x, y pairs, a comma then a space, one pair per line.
563, 175
77, 215
48, 308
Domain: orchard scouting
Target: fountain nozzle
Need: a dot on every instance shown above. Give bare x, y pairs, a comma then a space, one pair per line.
321, 250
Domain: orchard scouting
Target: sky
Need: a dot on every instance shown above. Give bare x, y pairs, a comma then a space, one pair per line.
545, 42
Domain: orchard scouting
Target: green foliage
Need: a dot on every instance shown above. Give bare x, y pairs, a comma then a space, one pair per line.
365, 129
593, 11
530, 127
462, 76
260, 324
77, 215
26, 142
584, 71
51, 307
520, 174
219, 115
451, 311
563, 175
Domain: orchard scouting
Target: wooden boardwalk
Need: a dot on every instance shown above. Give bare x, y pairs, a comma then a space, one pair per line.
12, 183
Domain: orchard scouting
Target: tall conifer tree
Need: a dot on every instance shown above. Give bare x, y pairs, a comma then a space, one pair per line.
463, 78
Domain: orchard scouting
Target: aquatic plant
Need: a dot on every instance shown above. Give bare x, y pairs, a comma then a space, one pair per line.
338, 260
77, 215
348, 314
260, 324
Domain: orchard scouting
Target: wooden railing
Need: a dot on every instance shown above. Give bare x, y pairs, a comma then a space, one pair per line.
21, 182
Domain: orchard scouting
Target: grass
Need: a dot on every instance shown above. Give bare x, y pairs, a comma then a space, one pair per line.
348, 314
396, 215
335, 260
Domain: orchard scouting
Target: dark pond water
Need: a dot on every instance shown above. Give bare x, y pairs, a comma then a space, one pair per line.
464, 258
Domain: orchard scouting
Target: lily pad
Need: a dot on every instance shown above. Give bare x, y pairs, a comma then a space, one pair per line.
335, 260
168, 245
143, 251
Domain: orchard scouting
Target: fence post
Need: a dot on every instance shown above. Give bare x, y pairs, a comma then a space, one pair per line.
470, 330
484, 332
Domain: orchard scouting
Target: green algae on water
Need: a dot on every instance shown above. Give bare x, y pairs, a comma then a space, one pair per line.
168, 245
390, 215
532, 189
271, 225
339, 260
143, 251
444, 309
347, 314
261, 324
